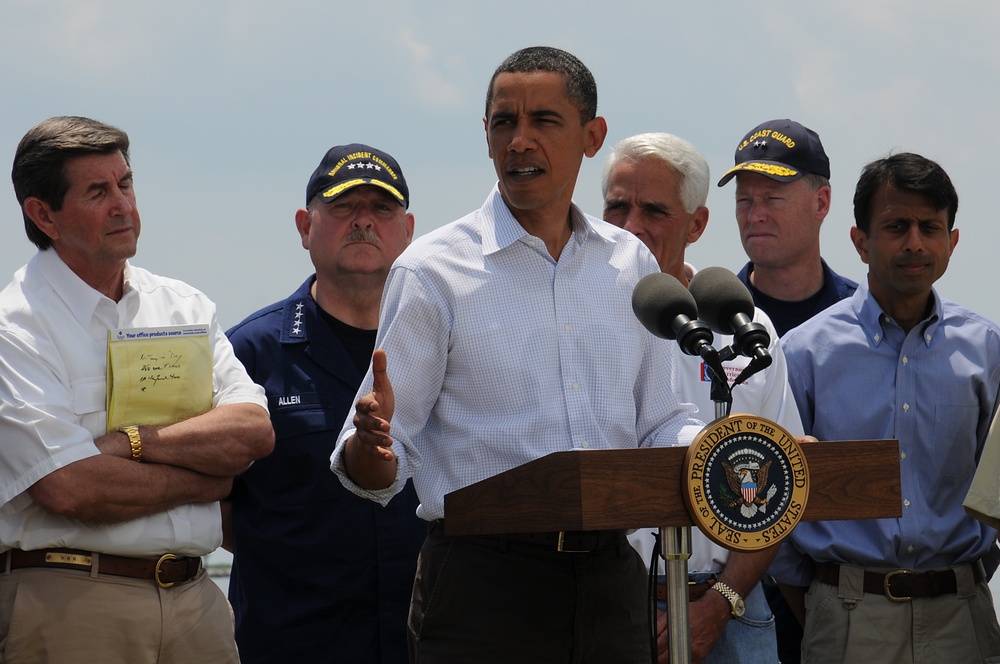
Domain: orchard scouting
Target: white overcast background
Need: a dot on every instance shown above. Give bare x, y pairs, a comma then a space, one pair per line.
231, 104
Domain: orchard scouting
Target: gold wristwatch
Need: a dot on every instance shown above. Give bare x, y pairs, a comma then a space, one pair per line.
132, 431
736, 604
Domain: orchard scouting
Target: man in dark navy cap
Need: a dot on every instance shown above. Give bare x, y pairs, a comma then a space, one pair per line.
319, 574
782, 196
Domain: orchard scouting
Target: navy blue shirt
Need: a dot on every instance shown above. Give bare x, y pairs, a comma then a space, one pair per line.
319, 574
786, 315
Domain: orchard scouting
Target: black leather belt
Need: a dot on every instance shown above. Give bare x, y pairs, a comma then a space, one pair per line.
902, 585
695, 590
166, 571
585, 541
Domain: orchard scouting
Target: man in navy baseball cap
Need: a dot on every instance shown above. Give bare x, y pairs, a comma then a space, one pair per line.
347, 166
782, 178
320, 574
782, 150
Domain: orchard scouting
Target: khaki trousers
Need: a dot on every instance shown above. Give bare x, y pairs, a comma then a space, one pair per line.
845, 624
55, 616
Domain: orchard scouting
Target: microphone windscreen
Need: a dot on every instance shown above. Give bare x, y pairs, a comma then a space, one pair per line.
658, 299
720, 295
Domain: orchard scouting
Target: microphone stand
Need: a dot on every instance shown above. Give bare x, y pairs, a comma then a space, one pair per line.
675, 541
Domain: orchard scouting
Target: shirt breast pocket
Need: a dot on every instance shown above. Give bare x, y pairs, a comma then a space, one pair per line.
89, 395
90, 402
954, 441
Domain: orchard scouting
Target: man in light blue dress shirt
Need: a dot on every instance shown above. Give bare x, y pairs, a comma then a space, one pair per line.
508, 335
898, 361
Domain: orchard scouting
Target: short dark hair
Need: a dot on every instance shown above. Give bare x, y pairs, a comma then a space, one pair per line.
908, 171
39, 169
580, 84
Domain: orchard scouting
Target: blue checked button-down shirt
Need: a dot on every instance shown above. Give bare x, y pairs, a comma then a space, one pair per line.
855, 376
499, 354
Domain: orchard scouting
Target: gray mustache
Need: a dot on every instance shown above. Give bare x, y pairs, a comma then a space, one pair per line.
363, 235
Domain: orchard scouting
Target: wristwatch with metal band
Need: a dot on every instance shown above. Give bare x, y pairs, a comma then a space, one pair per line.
132, 431
736, 604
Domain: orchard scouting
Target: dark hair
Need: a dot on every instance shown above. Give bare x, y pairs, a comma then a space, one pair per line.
580, 84
907, 171
40, 161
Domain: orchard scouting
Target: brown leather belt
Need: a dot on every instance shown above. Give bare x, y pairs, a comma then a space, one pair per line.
695, 590
166, 571
902, 585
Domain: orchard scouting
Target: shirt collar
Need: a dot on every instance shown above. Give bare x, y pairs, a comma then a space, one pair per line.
501, 229
873, 318
79, 297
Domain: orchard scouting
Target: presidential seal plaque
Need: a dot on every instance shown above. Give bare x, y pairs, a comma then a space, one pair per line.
746, 482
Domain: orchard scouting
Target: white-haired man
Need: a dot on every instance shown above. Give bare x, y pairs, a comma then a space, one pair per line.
656, 185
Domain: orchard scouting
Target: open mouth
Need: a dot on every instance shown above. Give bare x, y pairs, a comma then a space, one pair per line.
524, 172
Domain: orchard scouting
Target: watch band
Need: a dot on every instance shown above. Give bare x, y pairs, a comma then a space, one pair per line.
737, 607
132, 431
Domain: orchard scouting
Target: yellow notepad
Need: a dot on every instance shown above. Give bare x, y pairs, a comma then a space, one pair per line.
158, 375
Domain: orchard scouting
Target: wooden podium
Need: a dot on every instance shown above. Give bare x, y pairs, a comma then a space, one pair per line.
609, 489
615, 489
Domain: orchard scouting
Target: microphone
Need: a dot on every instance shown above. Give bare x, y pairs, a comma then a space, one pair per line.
727, 306
668, 310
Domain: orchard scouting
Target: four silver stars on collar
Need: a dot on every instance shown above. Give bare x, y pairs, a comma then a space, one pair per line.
297, 323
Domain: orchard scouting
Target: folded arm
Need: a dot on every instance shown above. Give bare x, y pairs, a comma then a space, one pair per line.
191, 461
106, 489
222, 442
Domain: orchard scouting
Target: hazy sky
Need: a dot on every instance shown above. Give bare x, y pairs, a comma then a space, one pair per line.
231, 104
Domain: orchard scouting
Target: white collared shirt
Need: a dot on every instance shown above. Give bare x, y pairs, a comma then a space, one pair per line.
498, 354
53, 387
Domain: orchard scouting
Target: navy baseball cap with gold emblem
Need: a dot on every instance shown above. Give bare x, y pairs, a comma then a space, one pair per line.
347, 166
782, 150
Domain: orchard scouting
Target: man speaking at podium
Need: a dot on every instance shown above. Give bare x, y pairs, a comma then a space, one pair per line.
655, 186
509, 335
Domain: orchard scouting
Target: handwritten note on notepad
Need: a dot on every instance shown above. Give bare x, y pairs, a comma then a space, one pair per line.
158, 375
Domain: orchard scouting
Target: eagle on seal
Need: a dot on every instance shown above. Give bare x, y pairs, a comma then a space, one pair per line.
748, 487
